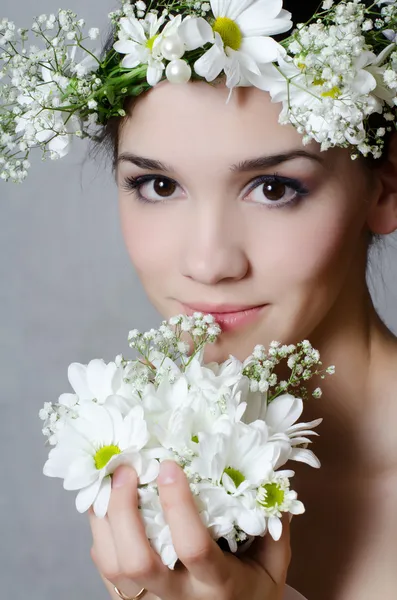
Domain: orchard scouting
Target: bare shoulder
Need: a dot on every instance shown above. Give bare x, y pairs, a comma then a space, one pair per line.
379, 430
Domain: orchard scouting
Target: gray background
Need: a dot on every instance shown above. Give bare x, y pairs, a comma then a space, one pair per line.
68, 293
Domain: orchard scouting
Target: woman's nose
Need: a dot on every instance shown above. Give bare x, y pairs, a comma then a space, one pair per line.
212, 250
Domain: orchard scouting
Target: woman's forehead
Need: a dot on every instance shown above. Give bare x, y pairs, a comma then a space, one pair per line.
198, 118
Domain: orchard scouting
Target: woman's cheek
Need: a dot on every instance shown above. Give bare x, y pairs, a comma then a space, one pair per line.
147, 236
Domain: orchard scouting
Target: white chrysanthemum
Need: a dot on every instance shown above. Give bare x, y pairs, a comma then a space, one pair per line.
178, 410
98, 381
255, 511
239, 456
140, 40
275, 498
95, 381
92, 446
241, 38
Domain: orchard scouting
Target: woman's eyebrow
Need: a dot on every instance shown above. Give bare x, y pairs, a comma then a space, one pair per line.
143, 163
265, 162
262, 162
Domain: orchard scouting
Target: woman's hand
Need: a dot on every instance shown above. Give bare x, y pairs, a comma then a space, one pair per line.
123, 555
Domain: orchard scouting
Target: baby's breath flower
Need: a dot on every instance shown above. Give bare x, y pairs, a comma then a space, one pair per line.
93, 33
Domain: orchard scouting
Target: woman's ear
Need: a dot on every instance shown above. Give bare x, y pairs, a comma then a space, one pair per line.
382, 217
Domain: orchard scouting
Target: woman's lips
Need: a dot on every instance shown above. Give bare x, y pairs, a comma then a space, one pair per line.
229, 318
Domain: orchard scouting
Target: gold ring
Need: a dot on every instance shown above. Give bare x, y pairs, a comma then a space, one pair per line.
124, 597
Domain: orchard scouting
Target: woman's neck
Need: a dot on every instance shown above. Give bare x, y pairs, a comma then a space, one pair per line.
363, 390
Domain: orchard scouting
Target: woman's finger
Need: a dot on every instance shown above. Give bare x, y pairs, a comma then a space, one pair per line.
138, 562
103, 551
193, 544
274, 557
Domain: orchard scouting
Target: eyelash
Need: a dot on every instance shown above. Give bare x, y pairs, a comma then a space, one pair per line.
133, 184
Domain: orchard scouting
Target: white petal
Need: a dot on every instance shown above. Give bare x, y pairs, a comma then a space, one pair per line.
211, 63
101, 503
86, 497
60, 144
195, 33
297, 507
77, 375
134, 29
304, 428
155, 23
251, 522
117, 422
172, 27
298, 441
229, 8
264, 17
149, 471
306, 456
126, 47
283, 412
81, 473
247, 65
228, 483
169, 556
58, 463
134, 433
261, 49
132, 459
131, 61
44, 135
154, 73
364, 82
47, 73
275, 528
95, 423
232, 70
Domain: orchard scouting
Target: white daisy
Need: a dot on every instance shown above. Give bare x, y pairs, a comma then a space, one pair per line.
275, 498
140, 41
241, 41
91, 447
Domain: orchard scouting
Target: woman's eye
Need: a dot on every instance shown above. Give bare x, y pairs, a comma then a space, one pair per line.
276, 192
153, 189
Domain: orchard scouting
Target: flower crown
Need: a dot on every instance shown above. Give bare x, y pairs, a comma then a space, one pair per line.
330, 75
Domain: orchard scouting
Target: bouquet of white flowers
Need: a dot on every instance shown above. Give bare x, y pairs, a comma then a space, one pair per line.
231, 426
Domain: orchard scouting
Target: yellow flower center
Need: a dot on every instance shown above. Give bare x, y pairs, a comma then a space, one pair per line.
332, 93
150, 42
236, 476
270, 495
104, 454
229, 31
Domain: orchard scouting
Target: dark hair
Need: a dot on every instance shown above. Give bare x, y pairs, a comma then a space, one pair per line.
107, 141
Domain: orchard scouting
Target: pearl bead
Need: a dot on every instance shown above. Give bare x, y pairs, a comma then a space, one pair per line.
178, 71
172, 47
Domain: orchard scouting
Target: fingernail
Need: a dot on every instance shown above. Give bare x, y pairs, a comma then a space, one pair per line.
168, 473
120, 477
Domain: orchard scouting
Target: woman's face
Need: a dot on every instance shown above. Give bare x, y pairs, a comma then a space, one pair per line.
228, 210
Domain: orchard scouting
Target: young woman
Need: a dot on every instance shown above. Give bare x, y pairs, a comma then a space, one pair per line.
224, 210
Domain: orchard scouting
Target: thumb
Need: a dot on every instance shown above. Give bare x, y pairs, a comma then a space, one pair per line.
274, 557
